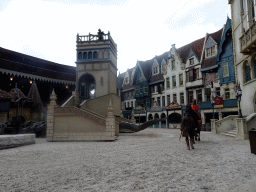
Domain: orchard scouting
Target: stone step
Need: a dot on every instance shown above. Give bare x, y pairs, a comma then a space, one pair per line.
231, 133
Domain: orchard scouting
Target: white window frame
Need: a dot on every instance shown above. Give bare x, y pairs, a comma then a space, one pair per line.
225, 65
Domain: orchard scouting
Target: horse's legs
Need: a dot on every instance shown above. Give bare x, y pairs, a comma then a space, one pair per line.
198, 136
187, 142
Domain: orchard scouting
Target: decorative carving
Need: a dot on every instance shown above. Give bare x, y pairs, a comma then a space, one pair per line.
254, 29
248, 37
243, 41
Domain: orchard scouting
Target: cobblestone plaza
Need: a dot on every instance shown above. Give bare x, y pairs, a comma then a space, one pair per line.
150, 160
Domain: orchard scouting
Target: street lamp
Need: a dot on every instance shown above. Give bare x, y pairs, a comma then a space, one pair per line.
238, 96
213, 102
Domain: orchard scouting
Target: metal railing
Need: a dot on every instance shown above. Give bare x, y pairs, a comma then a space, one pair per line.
90, 37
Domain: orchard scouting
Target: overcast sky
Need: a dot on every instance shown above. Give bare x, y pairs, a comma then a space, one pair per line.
141, 28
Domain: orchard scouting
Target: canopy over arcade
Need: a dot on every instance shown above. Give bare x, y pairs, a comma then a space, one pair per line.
174, 117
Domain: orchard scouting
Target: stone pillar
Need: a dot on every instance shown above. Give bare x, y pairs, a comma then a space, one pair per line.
220, 116
110, 123
213, 126
76, 98
50, 116
242, 130
133, 120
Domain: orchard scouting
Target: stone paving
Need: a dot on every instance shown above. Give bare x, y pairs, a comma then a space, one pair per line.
150, 160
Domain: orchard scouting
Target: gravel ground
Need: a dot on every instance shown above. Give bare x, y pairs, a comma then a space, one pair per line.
150, 160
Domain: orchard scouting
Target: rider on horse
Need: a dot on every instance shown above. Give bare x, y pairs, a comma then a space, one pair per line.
188, 127
197, 118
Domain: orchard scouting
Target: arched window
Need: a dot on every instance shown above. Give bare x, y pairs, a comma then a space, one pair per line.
79, 56
247, 70
85, 55
90, 55
95, 55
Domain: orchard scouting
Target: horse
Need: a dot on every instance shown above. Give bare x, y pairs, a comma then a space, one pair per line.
197, 120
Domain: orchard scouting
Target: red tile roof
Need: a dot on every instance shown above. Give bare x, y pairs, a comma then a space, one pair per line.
4, 95
209, 62
33, 94
17, 93
196, 46
216, 35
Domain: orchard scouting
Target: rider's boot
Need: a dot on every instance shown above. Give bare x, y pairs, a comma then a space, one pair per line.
191, 143
187, 141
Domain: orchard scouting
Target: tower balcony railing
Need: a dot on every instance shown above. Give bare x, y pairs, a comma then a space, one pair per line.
248, 40
91, 37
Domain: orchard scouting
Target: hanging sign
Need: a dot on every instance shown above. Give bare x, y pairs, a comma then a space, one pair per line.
218, 102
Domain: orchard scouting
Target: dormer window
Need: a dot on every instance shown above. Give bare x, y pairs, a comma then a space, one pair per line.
155, 70
191, 61
173, 64
126, 80
210, 51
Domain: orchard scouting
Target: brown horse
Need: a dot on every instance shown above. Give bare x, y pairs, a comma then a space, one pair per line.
197, 120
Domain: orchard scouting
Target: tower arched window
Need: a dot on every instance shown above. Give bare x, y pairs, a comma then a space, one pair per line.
247, 71
85, 55
90, 55
95, 55
79, 56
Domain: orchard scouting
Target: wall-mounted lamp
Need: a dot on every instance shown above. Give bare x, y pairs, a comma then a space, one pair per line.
30, 81
11, 78
66, 87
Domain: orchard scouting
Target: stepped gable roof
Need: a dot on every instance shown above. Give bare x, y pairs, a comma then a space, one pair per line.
15, 61
196, 46
129, 85
159, 76
16, 93
33, 94
5, 95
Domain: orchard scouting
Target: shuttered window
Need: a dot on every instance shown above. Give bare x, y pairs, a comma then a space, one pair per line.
247, 73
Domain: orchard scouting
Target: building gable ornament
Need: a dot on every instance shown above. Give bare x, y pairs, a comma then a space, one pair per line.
155, 63
210, 42
191, 54
173, 105
155, 108
228, 27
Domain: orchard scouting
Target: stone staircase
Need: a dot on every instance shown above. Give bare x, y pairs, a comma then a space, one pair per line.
232, 133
